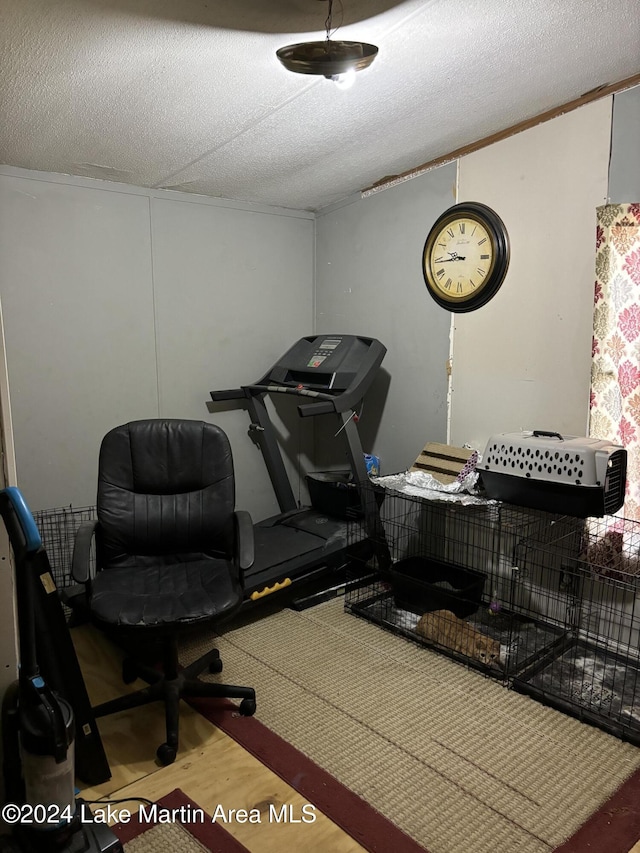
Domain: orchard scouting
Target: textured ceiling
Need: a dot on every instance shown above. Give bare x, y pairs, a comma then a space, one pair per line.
189, 95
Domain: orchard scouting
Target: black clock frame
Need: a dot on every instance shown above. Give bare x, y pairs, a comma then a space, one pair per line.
499, 237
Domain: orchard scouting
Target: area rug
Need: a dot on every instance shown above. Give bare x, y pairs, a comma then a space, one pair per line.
175, 824
451, 758
613, 828
357, 818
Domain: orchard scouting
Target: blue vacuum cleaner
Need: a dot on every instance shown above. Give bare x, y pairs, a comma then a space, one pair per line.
38, 727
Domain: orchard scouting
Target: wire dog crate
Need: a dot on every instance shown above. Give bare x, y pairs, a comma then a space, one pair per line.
58, 528
594, 673
547, 604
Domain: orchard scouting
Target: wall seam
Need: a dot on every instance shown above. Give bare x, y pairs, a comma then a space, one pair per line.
452, 329
154, 308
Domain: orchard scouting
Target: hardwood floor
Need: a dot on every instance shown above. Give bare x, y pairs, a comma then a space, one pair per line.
211, 768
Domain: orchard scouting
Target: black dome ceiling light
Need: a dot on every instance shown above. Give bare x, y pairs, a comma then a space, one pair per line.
335, 60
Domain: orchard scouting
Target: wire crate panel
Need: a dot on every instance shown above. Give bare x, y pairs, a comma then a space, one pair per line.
480, 537
515, 641
58, 528
547, 582
610, 614
523, 639
379, 605
459, 559
559, 597
585, 576
591, 683
588, 577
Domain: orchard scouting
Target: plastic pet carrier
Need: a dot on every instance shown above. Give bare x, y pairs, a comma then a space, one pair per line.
544, 470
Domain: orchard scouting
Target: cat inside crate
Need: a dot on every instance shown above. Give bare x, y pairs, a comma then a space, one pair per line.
444, 628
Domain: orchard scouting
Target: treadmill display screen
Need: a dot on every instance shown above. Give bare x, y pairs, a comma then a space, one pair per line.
324, 349
328, 363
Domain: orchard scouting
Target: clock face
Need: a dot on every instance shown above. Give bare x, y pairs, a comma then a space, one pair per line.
465, 257
461, 258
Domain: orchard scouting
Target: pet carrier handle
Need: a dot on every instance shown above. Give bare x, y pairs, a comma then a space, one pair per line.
544, 432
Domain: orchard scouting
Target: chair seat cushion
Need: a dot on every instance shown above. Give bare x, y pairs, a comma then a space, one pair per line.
159, 596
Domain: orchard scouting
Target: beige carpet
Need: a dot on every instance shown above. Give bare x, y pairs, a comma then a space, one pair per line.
164, 838
455, 760
180, 828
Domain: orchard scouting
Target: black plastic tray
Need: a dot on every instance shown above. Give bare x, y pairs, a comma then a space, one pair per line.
420, 584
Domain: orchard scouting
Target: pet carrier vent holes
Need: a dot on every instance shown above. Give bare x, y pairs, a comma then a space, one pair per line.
542, 461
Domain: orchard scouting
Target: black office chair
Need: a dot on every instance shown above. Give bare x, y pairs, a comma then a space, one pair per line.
170, 552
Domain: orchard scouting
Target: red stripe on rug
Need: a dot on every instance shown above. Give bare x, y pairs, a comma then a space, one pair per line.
614, 828
212, 836
350, 812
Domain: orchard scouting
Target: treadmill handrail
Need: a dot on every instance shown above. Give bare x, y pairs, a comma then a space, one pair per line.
326, 406
287, 389
311, 409
231, 394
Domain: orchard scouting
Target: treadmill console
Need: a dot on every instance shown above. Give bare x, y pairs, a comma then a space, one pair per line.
330, 363
335, 370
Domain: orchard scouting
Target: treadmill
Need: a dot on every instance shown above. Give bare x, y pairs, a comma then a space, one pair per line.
329, 374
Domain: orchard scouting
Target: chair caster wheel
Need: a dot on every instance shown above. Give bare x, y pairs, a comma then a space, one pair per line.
166, 754
247, 707
215, 665
129, 673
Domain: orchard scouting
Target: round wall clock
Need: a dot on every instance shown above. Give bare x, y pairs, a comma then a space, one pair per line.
466, 257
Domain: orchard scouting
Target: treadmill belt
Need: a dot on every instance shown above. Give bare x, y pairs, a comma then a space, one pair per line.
279, 544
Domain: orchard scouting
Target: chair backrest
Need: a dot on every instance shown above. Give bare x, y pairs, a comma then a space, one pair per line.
165, 487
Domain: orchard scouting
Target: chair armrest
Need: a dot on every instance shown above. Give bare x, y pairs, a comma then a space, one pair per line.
244, 539
82, 551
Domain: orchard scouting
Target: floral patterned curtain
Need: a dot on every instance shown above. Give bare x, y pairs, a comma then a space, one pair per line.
615, 371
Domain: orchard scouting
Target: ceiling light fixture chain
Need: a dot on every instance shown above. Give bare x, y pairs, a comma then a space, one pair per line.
329, 21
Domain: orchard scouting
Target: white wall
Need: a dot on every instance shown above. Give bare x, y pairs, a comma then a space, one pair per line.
523, 361
233, 291
123, 303
369, 281
77, 299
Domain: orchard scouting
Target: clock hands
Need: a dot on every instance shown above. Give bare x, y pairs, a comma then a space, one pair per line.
454, 257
